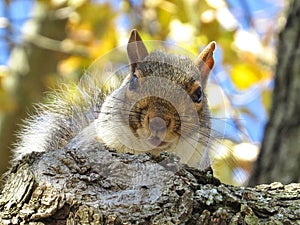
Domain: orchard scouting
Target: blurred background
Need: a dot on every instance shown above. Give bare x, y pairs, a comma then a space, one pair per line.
46, 42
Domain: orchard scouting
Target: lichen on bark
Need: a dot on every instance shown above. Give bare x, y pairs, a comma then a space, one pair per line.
91, 185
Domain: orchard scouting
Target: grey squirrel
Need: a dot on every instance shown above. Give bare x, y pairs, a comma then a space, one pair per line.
160, 106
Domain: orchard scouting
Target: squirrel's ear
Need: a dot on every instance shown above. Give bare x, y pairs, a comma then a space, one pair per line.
136, 50
205, 61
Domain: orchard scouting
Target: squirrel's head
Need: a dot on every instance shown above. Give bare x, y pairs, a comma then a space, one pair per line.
162, 99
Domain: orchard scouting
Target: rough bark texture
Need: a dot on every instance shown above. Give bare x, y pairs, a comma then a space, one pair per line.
90, 185
280, 152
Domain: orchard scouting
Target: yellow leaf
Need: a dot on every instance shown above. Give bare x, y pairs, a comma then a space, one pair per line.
69, 65
245, 75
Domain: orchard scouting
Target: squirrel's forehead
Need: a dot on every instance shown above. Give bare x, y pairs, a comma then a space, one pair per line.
181, 72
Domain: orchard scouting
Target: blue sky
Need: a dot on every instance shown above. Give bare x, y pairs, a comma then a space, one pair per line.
18, 11
14, 15
12, 18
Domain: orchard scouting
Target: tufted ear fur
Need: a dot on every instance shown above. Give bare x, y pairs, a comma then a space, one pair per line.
205, 62
136, 50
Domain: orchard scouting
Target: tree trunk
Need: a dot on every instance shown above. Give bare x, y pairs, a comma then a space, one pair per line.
90, 185
280, 152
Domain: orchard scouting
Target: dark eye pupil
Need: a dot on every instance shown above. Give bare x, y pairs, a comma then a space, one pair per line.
133, 83
197, 95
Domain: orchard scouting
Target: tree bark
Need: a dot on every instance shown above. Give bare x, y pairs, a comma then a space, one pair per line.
280, 152
91, 185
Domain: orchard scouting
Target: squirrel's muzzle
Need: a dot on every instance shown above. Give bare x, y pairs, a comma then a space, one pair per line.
157, 125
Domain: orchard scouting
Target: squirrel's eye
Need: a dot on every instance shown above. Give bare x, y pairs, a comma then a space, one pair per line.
197, 95
134, 83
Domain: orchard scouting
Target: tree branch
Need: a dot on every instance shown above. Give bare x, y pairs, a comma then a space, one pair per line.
90, 185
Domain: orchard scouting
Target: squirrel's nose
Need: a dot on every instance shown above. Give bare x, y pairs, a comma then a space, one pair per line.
157, 124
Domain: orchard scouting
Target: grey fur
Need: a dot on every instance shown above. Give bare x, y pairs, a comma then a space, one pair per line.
84, 117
